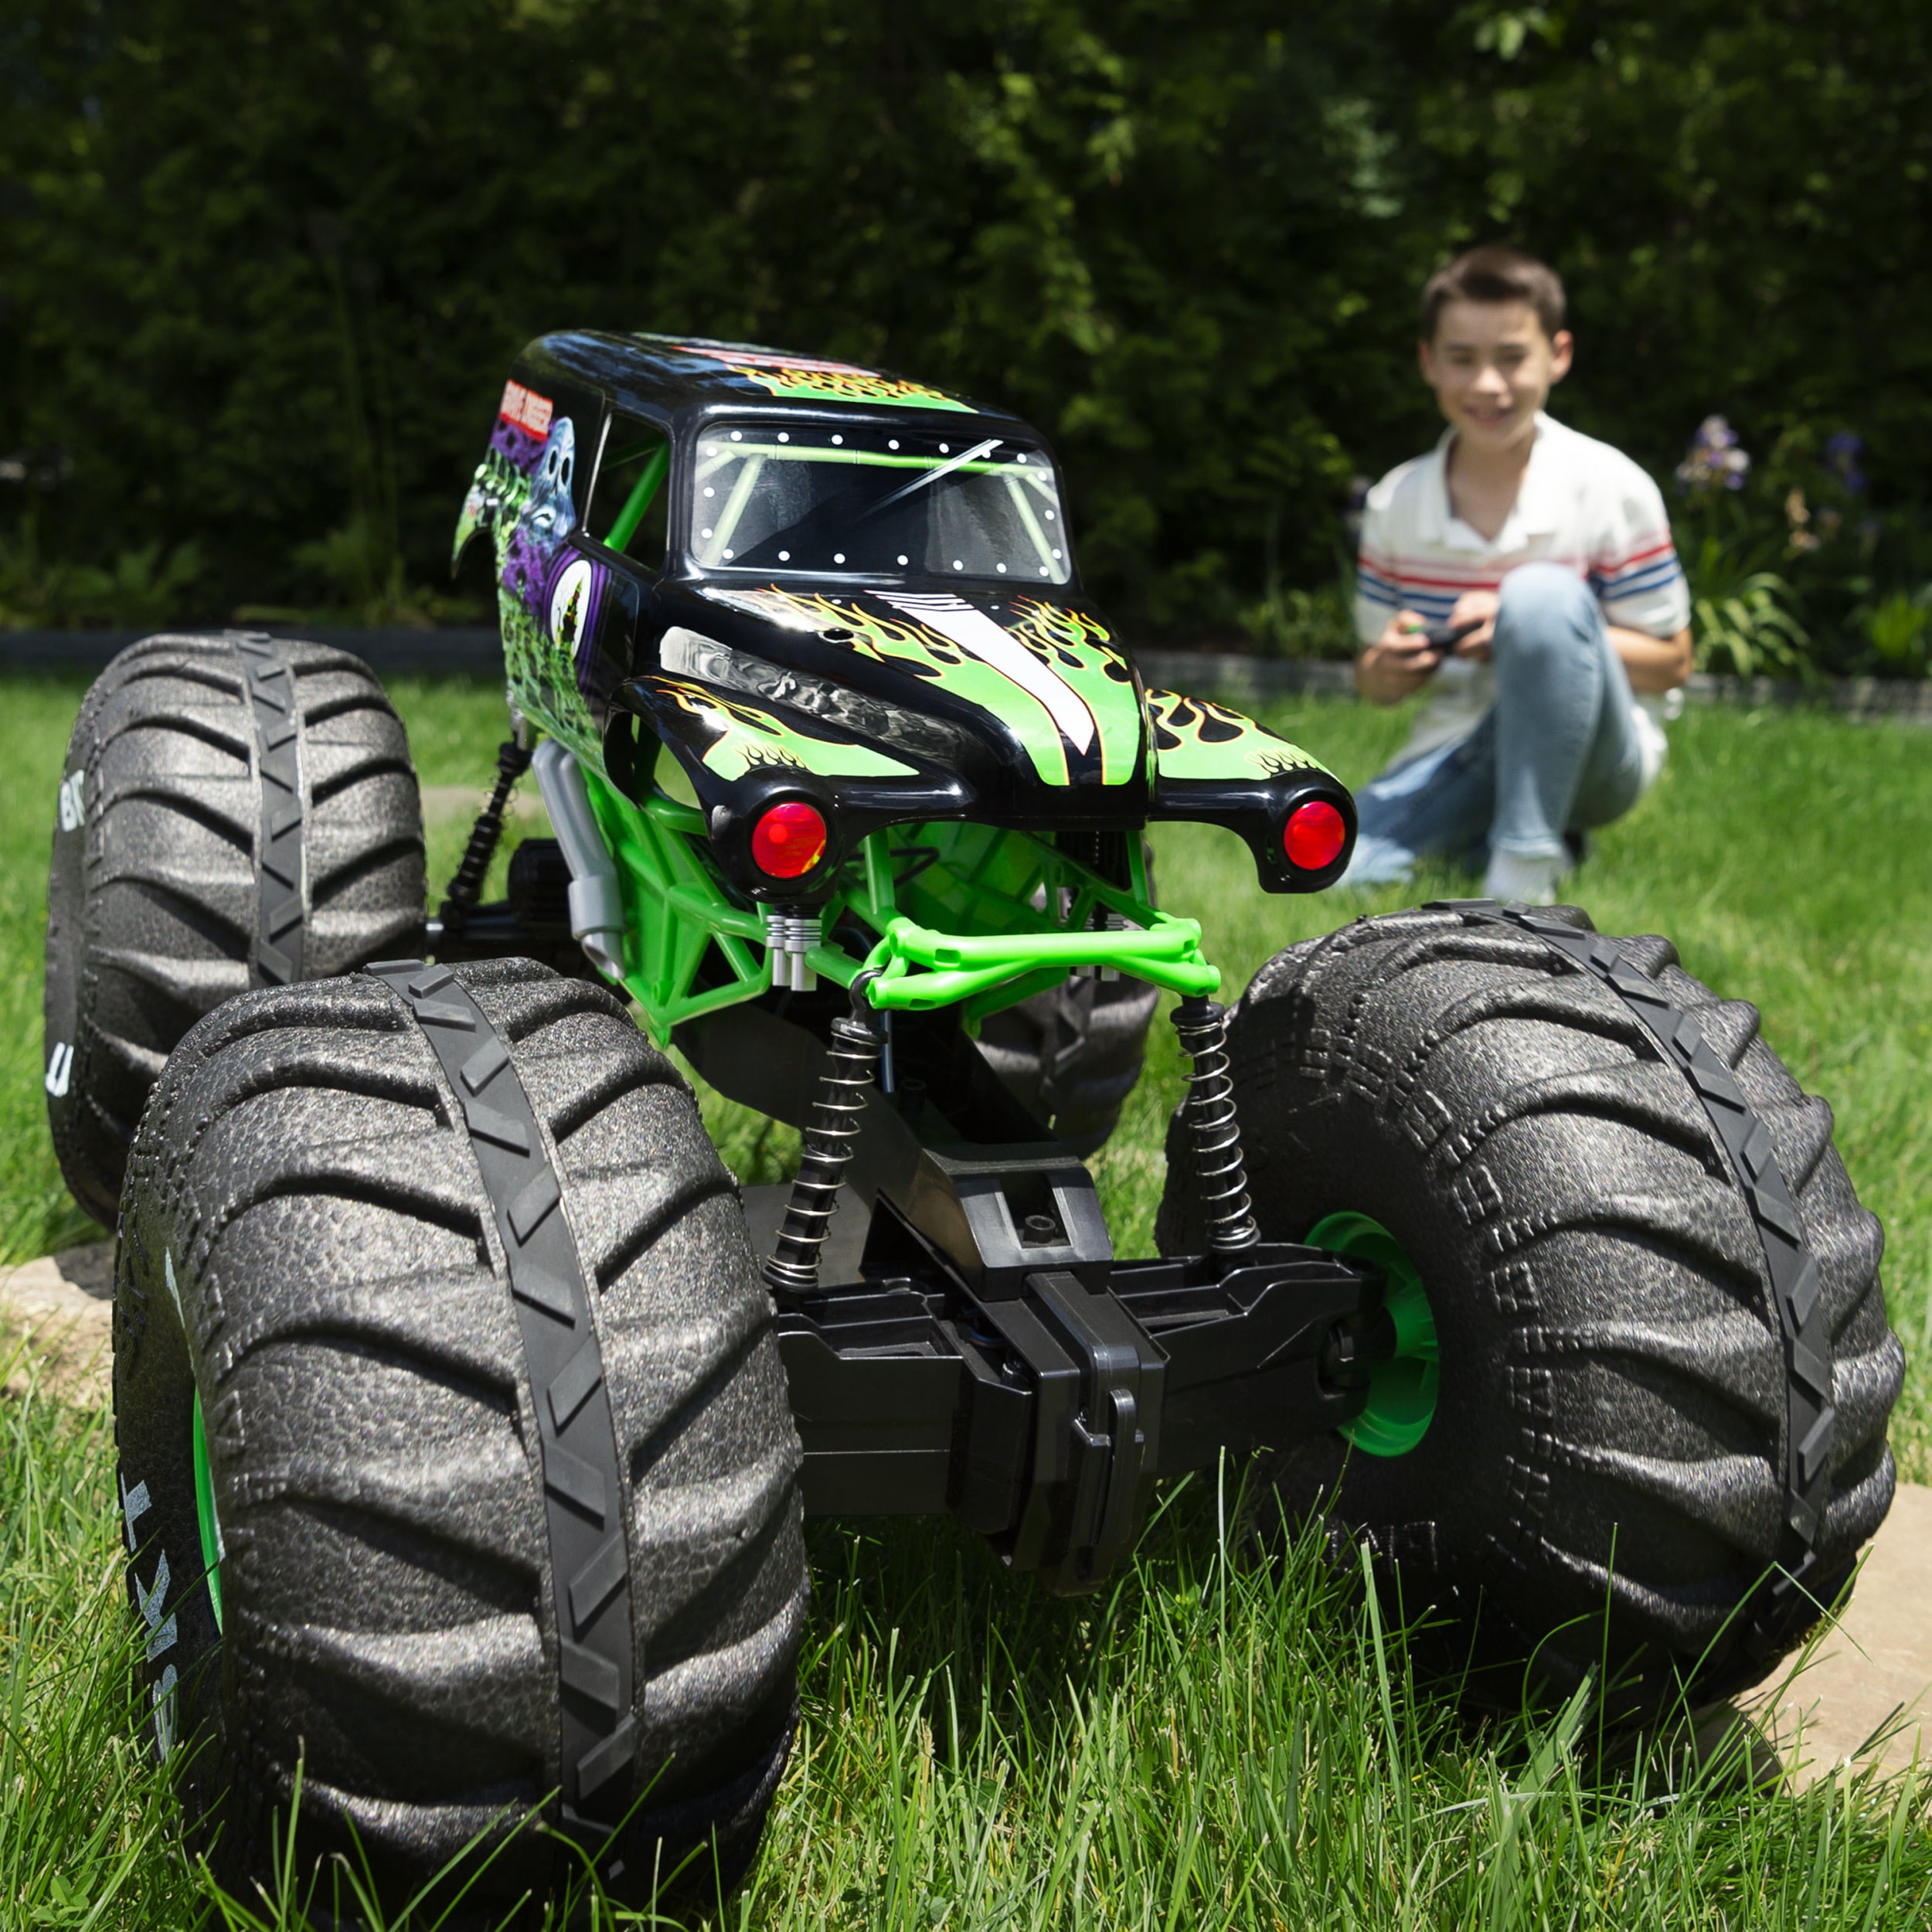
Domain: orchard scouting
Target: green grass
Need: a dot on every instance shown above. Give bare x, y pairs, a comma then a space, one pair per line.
1208, 1745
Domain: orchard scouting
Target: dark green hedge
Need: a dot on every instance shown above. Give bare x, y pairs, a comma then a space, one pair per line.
264, 261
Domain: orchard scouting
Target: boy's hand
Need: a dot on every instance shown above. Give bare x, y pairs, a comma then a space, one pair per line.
1399, 662
1477, 608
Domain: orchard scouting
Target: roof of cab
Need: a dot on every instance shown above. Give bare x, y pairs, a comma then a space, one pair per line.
665, 374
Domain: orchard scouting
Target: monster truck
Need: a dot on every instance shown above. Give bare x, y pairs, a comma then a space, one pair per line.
467, 1410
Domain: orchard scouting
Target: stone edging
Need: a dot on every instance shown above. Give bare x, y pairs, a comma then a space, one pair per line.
1234, 674
1231, 674
65, 1304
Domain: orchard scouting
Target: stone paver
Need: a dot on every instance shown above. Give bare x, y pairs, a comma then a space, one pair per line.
1874, 1668
64, 1304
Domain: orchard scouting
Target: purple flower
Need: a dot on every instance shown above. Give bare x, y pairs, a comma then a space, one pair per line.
1842, 455
1713, 458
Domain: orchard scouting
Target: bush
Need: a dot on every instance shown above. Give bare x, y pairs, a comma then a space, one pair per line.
267, 260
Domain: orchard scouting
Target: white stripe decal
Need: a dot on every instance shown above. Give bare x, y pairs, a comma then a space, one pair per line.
972, 630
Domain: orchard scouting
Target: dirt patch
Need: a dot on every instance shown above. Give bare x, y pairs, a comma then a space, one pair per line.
443, 805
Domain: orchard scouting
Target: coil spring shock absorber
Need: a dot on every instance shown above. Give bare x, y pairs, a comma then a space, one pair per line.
793, 1266
1221, 1172
466, 889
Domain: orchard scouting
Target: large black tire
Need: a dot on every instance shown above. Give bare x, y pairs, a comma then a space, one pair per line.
497, 1432
233, 812
1073, 1054
1604, 1478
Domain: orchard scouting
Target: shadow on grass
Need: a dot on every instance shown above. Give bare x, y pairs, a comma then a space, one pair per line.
1211, 1742
1206, 1743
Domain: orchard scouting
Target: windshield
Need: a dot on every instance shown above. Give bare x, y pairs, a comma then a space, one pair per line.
886, 502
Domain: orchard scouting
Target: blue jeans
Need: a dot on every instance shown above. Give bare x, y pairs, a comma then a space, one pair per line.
1557, 752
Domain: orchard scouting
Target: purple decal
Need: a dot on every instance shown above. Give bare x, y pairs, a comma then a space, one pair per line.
523, 424
515, 444
530, 556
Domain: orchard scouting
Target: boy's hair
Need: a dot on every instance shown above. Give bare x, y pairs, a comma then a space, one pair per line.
1492, 273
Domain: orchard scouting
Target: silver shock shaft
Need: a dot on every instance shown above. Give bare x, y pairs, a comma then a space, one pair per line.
793, 1266
1221, 1173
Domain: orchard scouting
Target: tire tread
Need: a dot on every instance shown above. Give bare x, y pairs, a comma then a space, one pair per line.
368, 1394
1508, 1116
158, 893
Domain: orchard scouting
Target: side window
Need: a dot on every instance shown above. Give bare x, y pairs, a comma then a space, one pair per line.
626, 507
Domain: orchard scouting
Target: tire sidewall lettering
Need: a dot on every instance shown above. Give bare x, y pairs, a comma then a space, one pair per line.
65, 940
70, 808
164, 1695
180, 1648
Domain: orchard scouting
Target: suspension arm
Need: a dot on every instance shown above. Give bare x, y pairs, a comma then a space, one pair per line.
1043, 1419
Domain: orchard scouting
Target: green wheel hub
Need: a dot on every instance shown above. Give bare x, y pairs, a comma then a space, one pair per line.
1402, 1391
209, 1522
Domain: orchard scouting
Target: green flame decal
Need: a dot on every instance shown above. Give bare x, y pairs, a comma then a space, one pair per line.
1196, 738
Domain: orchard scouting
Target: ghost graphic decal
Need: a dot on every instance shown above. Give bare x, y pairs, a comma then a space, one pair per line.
551, 512
548, 517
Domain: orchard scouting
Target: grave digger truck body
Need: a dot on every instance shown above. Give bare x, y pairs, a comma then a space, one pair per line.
1515, 1249
859, 601
922, 767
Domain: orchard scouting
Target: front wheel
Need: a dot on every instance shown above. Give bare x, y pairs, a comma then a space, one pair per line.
457, 1469
1626, 1409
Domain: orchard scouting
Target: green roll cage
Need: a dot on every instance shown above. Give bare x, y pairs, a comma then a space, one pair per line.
1034, 914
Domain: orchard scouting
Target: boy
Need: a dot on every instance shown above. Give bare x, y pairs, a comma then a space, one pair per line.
1551, 553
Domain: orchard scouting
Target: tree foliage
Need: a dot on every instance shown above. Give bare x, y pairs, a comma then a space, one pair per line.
265, 262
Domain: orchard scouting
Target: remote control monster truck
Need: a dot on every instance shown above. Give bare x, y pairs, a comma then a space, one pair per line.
467, 1410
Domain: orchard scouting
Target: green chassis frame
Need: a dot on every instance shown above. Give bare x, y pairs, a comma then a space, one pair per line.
678, 907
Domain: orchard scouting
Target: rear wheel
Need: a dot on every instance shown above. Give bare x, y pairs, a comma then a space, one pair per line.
1645, 1395
456, 1461
235, 812
1072, 1054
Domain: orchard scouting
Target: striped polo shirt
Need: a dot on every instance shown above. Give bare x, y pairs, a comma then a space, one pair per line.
1582, 504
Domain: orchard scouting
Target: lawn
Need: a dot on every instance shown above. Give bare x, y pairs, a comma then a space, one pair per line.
1207, 1745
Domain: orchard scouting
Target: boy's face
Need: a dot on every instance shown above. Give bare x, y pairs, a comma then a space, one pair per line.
1492, 367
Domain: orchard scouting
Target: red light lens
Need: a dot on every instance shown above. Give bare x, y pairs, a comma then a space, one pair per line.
1314, 836
789, 840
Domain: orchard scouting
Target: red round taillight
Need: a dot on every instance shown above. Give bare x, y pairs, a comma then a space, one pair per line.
789, 840
1314, 836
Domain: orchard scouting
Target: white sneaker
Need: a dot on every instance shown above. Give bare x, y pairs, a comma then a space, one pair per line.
1533, 882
